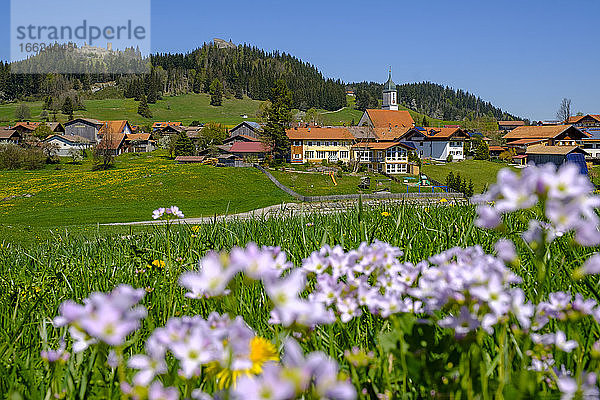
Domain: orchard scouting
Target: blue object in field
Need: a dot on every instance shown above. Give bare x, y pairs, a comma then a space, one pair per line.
579, 160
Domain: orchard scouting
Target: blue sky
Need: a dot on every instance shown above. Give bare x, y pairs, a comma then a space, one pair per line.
523, 56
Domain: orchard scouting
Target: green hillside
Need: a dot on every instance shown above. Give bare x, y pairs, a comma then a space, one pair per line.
185, 108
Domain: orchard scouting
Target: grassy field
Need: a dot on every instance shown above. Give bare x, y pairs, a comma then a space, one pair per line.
36, 280
75, 195
185, 108
481, 172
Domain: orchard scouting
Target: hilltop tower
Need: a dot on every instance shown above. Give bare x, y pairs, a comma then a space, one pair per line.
390, 101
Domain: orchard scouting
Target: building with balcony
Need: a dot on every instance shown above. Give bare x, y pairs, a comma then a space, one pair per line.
315, 144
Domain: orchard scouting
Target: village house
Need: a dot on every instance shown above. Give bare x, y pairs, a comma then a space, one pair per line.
139, 143
246, 128
250, 150
440, 144
66, 144
557, 155
10, 136
85, 127
509, 125
27, 128
388, 157
112, 143
591, 143
552, 135
581, 121
315, 144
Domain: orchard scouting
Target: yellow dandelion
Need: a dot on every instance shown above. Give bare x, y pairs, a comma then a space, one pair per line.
443, 201
385, 214
261, 351
158, 264
195, 228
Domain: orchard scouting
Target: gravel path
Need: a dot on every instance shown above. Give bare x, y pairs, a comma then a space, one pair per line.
295, 209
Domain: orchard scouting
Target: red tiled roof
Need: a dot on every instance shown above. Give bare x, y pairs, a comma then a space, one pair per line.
189, 159
319, 133
112, 141
32, 126
527, 141
537, 132
249, 147
393, 118
163, 124
511, 123
497, 148
8, 133
138, 136
109, 127
575, 119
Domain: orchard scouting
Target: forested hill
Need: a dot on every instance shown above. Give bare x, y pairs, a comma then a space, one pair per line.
252, 71
242, 70
435, 100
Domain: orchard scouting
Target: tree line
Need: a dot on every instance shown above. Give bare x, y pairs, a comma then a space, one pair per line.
238, 72
437, 101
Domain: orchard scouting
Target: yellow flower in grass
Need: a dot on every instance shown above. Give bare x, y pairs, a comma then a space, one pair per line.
195, 228
443, 201
158, 264
261, 351
385, 214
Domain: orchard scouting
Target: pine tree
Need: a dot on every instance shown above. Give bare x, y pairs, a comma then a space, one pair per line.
216, 93
279, 117
144, 109
183, 145
450, 180
470, 189
425, 123
68, 108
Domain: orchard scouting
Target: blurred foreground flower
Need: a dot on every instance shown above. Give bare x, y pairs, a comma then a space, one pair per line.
168, 213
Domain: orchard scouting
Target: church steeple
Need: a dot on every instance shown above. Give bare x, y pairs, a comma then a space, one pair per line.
389, 94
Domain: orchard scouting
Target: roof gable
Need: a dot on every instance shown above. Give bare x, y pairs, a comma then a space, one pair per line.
390, 118
542, 132
87, 121
319, 133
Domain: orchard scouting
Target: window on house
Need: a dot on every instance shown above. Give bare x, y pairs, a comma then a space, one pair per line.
310, 144
321, 155
395, 154
334, 143
326, 144
317, 143
297, 156
309, 154
344, 154
365, 155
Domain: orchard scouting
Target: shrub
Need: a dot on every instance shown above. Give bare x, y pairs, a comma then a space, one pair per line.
16, 157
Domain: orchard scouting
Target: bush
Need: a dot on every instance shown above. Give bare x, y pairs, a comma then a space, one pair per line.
16, 157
